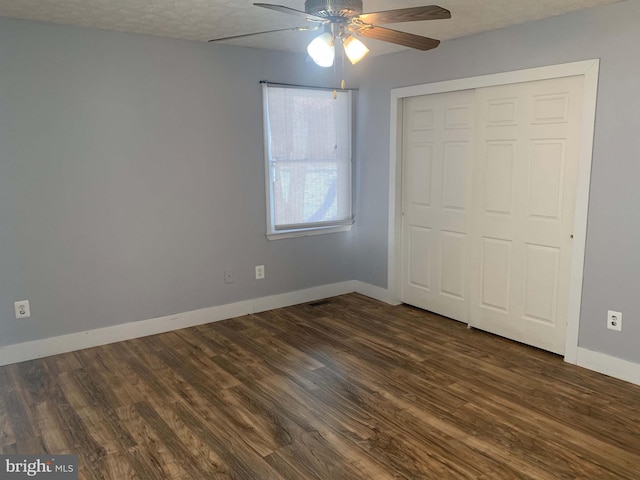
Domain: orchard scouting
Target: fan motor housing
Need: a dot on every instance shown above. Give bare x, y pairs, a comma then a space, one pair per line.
333, 8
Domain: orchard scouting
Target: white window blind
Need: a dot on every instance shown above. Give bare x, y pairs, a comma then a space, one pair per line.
308, 155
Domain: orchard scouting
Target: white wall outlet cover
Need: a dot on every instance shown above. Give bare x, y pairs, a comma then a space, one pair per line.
259, 272
614, 320
22, 309
228, 276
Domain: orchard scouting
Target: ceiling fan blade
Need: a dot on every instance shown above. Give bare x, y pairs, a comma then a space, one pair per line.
413, 14
292, 11
401, 38
294, 29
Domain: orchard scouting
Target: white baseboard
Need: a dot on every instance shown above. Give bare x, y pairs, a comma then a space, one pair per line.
302, 296
599, 362
102, 336
608, 365
375, 292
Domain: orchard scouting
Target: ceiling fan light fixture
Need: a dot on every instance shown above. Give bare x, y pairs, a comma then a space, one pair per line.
339, 18
354, 49
322, 50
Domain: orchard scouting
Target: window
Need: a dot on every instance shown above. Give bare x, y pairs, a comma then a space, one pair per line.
308, 160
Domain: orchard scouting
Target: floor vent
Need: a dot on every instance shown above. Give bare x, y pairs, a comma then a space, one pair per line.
319, 303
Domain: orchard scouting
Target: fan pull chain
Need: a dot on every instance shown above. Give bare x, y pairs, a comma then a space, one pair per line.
342, 83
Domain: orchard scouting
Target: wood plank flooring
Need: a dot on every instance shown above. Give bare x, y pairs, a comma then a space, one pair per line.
347, 389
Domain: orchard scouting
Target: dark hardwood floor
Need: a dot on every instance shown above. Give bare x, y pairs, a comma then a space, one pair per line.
348, 389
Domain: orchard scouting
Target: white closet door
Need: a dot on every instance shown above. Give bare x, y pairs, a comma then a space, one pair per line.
528, 138
437, 154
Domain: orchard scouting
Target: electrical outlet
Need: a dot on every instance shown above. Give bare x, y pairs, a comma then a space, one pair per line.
22, 309
259, 272
228, 276
614, 320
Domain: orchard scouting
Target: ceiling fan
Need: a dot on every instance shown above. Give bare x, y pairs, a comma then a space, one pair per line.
342, 21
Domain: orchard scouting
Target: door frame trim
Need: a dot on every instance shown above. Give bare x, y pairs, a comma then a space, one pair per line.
589, 69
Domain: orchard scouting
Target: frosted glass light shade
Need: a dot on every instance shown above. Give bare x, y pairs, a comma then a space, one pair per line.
355, 49
322, 50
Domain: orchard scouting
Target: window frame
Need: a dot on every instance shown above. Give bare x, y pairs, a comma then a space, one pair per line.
310, 229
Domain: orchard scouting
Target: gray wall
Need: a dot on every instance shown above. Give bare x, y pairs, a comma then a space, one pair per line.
611, 33
131, 177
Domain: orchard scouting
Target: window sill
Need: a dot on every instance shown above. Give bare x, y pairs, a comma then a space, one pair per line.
307, 232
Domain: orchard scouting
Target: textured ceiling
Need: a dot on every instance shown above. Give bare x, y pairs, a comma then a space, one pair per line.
202, 20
